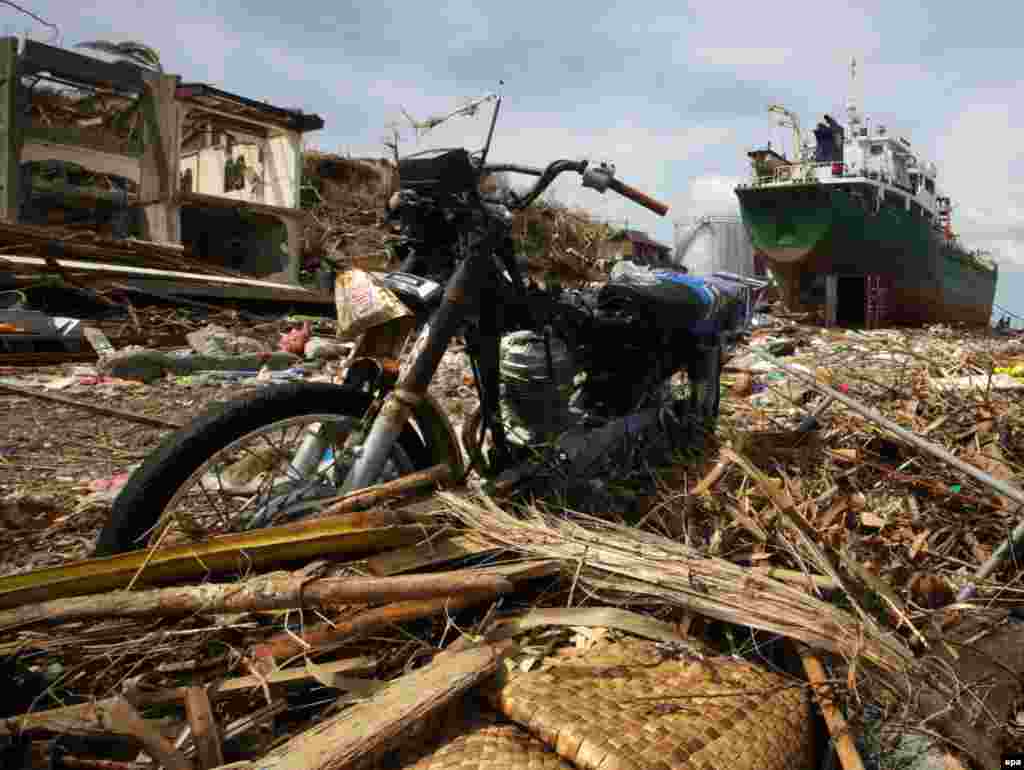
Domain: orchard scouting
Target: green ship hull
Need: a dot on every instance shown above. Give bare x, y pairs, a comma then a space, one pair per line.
809, 230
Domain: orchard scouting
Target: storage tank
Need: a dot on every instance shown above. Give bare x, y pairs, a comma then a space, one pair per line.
713, 244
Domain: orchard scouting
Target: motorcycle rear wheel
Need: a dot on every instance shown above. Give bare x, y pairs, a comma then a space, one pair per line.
212, 459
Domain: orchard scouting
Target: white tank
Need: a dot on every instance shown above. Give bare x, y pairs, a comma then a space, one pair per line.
714, 244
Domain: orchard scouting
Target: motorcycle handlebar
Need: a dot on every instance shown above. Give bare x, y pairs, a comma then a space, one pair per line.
547, 176
636, 196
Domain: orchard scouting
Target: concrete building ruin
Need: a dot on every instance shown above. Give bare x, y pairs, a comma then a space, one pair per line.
163, 160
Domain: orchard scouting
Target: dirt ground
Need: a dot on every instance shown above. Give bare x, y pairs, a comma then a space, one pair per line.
55, 460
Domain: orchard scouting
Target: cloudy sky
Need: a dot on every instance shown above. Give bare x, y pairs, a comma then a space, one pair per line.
674, 93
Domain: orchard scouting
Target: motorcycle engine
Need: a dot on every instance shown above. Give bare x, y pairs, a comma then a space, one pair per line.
538, 377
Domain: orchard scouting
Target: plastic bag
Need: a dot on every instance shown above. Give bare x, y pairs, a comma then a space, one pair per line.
362, 303
626, 271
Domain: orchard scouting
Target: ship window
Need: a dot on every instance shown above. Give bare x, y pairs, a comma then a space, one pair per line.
915, 209
876, 149
929, 185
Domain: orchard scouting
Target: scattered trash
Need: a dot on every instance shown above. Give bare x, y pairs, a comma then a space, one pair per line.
828, 512
214, 340
294, 342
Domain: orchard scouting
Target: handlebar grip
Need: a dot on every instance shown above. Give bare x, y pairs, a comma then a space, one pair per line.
636, 196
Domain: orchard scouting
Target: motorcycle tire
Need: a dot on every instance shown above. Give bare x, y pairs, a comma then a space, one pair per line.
154, 484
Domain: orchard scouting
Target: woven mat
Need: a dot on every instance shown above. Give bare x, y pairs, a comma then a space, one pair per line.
618, 707
482, 743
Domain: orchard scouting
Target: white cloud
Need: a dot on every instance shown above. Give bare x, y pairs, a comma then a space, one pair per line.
980, 170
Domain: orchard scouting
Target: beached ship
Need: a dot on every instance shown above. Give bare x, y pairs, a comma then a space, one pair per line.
855, 222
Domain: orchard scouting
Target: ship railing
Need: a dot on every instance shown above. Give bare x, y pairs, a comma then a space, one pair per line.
805, 172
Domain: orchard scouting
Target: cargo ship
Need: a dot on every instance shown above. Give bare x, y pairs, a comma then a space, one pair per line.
854, 222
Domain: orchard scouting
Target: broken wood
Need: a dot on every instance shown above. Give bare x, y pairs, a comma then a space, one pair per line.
377, 725
81, 719
121, 717
838, 729
141, 419
260, 594
432, 476
83, 763
1016, 539
324, 635
713, 476
205, 734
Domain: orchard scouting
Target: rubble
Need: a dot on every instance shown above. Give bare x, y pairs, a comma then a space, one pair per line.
847, 505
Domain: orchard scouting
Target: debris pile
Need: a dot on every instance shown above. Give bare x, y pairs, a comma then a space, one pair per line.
842, 547
561, 243
345, 200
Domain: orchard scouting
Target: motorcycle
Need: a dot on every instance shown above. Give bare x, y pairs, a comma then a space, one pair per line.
566, 377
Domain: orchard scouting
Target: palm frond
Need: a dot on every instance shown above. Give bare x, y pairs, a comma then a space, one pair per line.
129, 50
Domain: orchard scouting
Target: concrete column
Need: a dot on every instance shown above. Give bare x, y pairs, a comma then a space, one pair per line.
161, 160
831, 299
10, 130
293, 225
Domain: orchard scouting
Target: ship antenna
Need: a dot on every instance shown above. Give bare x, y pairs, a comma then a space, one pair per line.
851, 101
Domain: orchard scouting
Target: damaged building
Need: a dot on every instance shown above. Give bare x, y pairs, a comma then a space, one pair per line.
128, 152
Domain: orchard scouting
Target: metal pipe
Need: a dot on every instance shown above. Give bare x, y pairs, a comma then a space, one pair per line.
1016, 539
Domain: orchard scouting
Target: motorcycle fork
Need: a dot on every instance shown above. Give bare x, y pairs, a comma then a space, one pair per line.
411, 387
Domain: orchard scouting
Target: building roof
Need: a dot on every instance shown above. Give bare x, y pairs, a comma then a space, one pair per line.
638, 236
243, 107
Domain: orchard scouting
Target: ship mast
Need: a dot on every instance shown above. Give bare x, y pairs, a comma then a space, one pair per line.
787, 118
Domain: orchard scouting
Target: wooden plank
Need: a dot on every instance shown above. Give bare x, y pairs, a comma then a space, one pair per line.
205, 734
432, 553
100, 268
380, 723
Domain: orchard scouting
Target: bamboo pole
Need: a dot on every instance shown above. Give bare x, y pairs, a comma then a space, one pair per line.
265, 593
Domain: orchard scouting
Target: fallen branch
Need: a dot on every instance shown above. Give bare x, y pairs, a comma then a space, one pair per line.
141, 419
267, 593
845, 748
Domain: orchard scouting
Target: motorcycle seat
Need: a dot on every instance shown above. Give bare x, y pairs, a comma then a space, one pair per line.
674, 301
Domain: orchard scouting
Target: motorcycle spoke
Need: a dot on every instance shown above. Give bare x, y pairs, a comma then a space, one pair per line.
255, 481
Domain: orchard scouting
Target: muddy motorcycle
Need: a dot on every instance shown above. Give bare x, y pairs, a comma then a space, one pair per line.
565, 377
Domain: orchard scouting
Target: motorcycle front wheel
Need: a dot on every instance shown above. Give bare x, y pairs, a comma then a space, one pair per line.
260, 461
